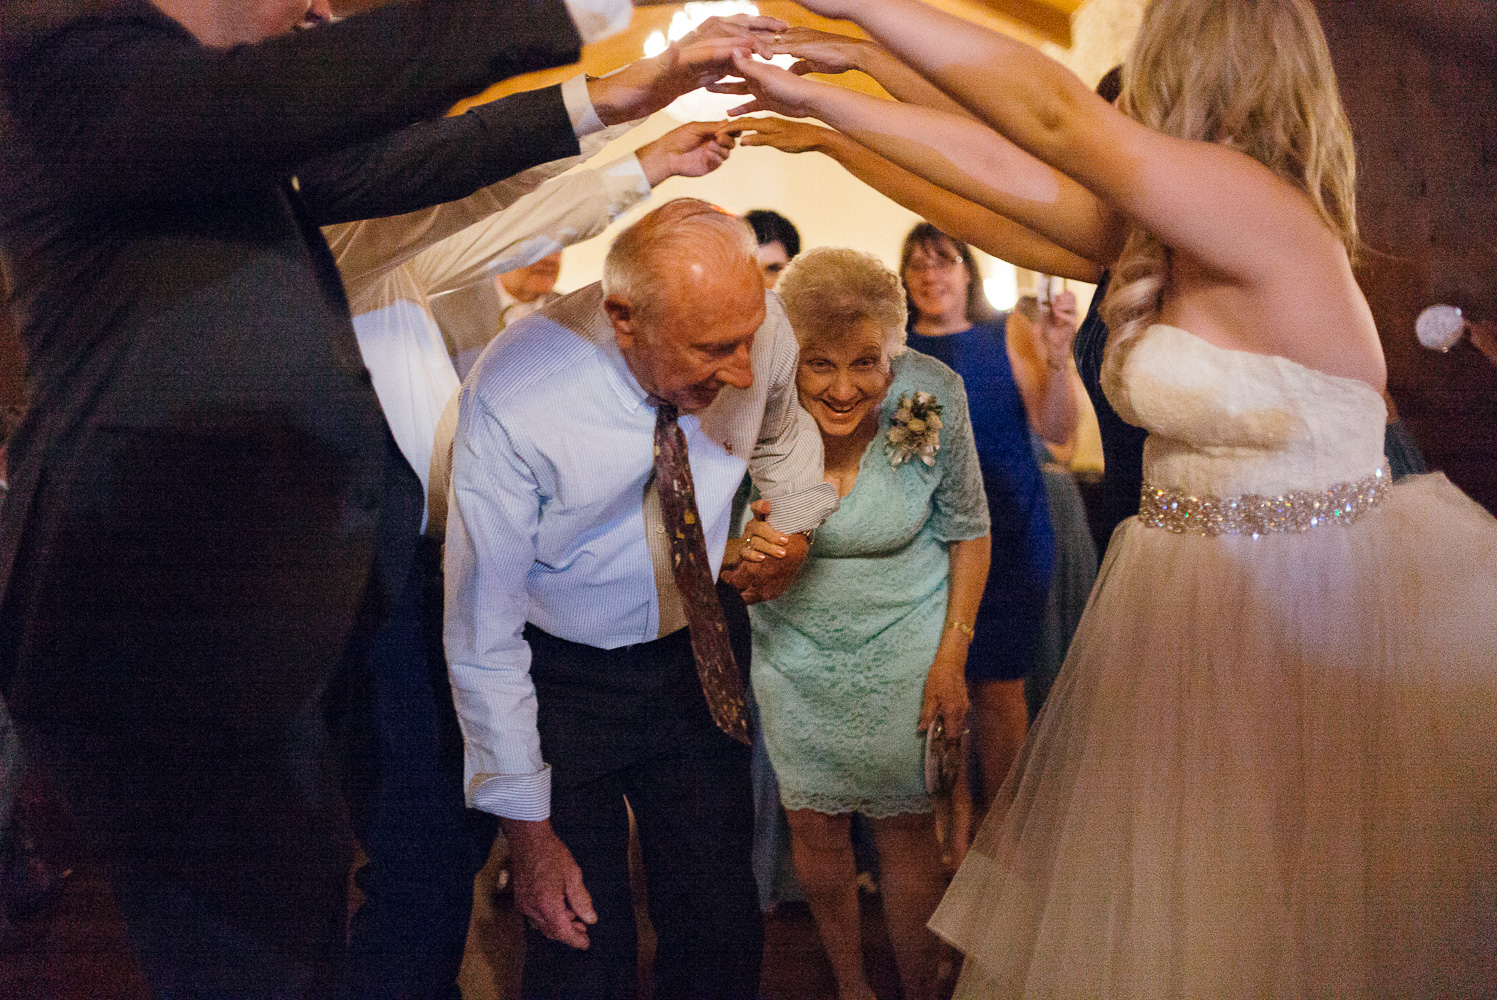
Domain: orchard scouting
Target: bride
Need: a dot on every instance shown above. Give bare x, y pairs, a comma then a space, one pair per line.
1269, 765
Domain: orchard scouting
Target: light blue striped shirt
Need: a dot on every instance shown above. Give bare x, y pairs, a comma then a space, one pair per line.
548, 520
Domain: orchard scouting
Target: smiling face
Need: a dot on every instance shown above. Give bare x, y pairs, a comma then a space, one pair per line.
938, 281
842, 379
698, 337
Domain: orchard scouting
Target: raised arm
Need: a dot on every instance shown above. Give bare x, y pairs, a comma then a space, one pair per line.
1218, 205
1040, 355
137, 108
567, 210
828, 52
953, 151
959, 217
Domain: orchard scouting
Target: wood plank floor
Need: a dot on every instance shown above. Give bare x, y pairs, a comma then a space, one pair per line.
77, 949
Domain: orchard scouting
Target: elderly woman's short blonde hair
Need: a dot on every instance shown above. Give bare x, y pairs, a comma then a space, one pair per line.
830, 289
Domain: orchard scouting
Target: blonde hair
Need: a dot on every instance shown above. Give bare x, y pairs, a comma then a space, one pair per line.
1251, 75
829, 290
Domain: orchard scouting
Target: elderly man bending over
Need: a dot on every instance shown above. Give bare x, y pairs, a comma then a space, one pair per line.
599, 446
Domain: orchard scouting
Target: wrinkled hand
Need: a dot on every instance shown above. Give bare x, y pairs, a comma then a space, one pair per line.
783, 134
772, 89
767, 559
548, 884
820, 51
692, 150
1058, 327
945, 695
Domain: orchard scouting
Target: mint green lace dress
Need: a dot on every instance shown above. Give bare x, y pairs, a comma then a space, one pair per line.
840, 659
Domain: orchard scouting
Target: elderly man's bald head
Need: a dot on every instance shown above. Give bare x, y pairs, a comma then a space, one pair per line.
682, 289
681, 240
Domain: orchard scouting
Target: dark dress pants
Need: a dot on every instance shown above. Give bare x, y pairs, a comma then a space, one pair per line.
177, 623
632, 723
406, 800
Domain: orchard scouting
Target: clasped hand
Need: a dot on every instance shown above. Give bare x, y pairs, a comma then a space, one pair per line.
762, 563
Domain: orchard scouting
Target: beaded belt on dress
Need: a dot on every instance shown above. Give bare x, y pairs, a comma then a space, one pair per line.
1251, 514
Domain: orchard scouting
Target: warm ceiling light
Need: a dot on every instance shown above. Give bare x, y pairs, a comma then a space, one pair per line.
699, 105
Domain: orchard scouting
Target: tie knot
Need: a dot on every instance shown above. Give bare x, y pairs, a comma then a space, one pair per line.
665, 412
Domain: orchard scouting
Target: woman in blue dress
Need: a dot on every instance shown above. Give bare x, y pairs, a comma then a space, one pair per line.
948, 320
869, 646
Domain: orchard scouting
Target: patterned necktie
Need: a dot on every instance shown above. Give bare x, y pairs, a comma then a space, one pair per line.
721, 681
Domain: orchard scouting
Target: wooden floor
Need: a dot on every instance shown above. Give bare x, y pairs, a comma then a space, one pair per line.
77, 949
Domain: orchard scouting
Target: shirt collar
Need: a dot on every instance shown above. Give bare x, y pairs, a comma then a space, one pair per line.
630, 392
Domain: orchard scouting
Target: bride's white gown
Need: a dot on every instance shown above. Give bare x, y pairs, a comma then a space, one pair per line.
1269, 765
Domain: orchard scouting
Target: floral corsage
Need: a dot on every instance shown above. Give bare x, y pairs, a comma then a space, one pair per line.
916, 432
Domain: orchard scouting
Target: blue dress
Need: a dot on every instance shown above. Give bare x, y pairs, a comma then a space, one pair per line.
1013, 605
840, 659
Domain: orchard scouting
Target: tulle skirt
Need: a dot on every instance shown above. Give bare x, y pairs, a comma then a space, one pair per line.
1268, 768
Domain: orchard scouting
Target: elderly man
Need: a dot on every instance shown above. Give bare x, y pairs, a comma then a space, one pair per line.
599, 446
405, 768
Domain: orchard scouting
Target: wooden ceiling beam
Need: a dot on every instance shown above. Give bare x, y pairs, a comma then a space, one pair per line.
1048, 18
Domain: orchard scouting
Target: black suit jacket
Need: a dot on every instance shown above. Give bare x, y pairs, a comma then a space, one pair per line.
204, 480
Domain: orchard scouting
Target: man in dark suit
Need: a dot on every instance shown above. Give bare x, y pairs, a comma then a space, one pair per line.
210, 531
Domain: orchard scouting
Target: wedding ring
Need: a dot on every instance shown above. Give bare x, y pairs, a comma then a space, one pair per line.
777, 38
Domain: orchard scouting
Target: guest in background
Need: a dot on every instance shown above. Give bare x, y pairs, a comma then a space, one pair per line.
1039, 345
779, 242
211, 531
526, 289
869, 645
951, 320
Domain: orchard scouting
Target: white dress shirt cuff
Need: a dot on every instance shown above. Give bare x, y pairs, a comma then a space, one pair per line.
579, 105
804, 511
596, 19
513, 796
626, 181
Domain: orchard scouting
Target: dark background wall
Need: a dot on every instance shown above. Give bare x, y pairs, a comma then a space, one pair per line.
11, 365
1419, 78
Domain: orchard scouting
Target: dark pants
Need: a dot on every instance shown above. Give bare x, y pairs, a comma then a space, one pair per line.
177, 626
406, 800
632, 723
185, 622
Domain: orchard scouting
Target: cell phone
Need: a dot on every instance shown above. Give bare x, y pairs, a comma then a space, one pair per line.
1049, 286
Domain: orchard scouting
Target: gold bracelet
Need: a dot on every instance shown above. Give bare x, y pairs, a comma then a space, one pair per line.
963, 628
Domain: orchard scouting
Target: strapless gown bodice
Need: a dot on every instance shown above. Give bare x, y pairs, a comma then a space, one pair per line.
1231, 423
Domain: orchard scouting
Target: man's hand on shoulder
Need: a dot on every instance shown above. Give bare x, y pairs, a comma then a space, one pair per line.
548, 883
766, 560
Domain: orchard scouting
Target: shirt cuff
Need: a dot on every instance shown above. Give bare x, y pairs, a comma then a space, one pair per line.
597, 19
627, 177
513, 796
803, 511
579, 105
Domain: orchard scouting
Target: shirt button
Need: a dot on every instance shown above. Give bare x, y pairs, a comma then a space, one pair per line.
659, 529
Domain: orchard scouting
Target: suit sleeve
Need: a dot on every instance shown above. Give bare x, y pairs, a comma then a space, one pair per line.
133, 107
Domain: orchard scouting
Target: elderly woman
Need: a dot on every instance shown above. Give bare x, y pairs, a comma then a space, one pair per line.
869, 646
